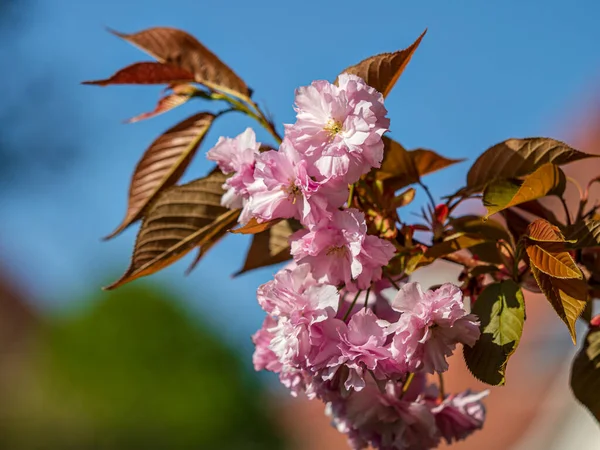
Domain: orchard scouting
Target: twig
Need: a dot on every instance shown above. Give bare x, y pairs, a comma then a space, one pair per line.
351, 306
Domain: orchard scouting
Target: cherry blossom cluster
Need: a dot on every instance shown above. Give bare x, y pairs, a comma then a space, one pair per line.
330, 332
369, 363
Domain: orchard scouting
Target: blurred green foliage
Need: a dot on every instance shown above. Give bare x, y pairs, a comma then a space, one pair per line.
135, 371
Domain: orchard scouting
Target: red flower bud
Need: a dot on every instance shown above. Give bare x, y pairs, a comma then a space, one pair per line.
441, 213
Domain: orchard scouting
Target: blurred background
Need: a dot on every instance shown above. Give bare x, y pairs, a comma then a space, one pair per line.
166, 362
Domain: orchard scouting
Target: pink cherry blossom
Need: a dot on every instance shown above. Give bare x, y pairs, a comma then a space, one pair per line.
431, 325
460, 415
339, 251
263, 357
236, 155
385, 420
283, 189
375, 254
339, 128
363, 349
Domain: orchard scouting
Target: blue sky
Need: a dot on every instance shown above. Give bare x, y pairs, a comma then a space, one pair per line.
486, 71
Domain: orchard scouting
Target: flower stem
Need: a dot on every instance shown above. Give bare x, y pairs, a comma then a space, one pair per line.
392, 281
251, 109
367, 297
406, 384
351, 306
428, 192
266, 123
564, 203
350, 195
442, 391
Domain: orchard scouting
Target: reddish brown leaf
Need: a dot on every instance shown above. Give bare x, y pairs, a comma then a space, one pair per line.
383, 70
403, 167
515, 222
146, 73
253, 226
568, 297
541, 230
537, 209
553, 259
163, 164
398, 164
173, 46
428, 161
270, 246
180, 95
180, 219
515, 158
219, 229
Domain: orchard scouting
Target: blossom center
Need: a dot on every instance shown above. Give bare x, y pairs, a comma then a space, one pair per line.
293, 192
333, 128
336, 251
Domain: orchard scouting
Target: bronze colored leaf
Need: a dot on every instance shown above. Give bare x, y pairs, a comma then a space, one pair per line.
452, 244
404, 198
472, 224
428, 161
515, 158
182, 218
253, 226
501, 194
537, 209
515, 222
173, 46
382, 71
401, 167
146, 73
585, 373
163, 163
553, 259
585, 233
568, 297
541, 230
397, 163
217, 232
270, 246
180, 95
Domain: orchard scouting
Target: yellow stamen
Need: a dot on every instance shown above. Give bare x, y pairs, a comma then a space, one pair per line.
336, 251
333, 127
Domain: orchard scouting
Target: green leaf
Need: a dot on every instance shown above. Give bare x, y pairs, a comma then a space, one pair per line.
502, 194
585, 373
501, 310
382, 71
568, 297
585, 233
515, 158
182, 218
